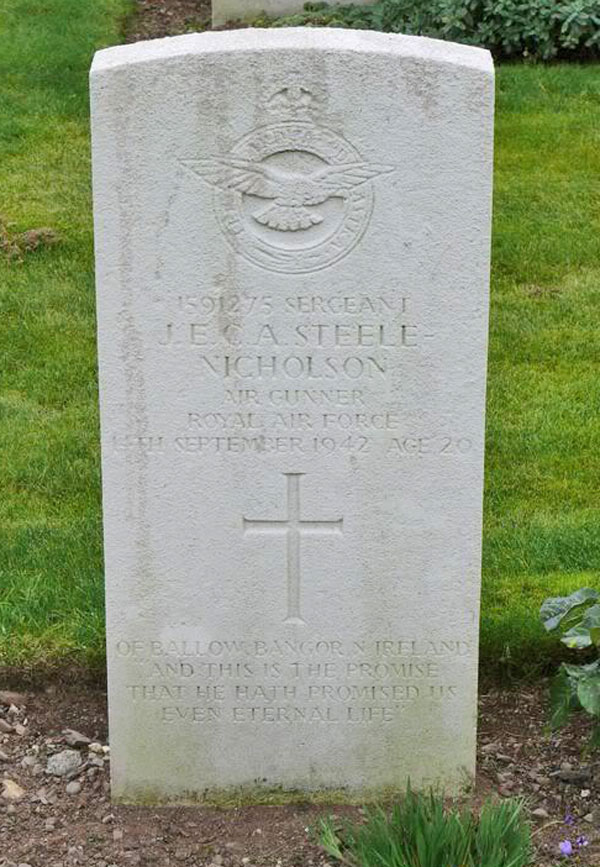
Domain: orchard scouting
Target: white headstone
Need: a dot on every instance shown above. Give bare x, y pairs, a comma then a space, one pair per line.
292, 236
233, 10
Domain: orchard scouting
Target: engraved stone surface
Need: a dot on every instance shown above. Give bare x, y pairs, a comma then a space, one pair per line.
292, 240
232, 10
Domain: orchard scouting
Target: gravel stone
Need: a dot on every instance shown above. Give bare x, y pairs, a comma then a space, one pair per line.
73, 788
9, 698
75, 739
63, 763
12, 791
575, 777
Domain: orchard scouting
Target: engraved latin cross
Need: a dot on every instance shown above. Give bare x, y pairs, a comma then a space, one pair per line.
293, 527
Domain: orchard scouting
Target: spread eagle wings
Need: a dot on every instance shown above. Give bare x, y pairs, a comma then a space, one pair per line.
243, 176
338, 180
293, 193
255, 179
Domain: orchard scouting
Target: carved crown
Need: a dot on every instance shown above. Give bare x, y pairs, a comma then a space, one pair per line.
293, 100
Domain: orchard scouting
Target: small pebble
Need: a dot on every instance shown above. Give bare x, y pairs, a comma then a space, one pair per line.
63, 763
117, 834
579, 776
75, 739
585, 793
589, 817
12, 791
73, 788
5, 728
540, 813
95, 748
9, 698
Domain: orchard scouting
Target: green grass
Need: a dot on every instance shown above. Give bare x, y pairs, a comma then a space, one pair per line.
50, 530
542, 508
542, 505
420, 832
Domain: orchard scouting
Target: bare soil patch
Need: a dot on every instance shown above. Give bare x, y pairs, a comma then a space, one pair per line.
154, 19
52, 821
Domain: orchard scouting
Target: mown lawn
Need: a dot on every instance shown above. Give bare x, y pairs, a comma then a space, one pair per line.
542, 511
50, 530
542, 506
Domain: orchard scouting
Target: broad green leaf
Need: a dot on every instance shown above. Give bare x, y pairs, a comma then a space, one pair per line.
577, 671
577, 638
556, 608
580, 636
591, 618
561, 694
588, 693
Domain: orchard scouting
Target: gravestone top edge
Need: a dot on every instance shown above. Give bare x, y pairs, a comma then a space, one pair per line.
294, 38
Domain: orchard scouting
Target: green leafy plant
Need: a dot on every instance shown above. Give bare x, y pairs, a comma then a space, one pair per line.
575, 686
540, 29
420, 832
